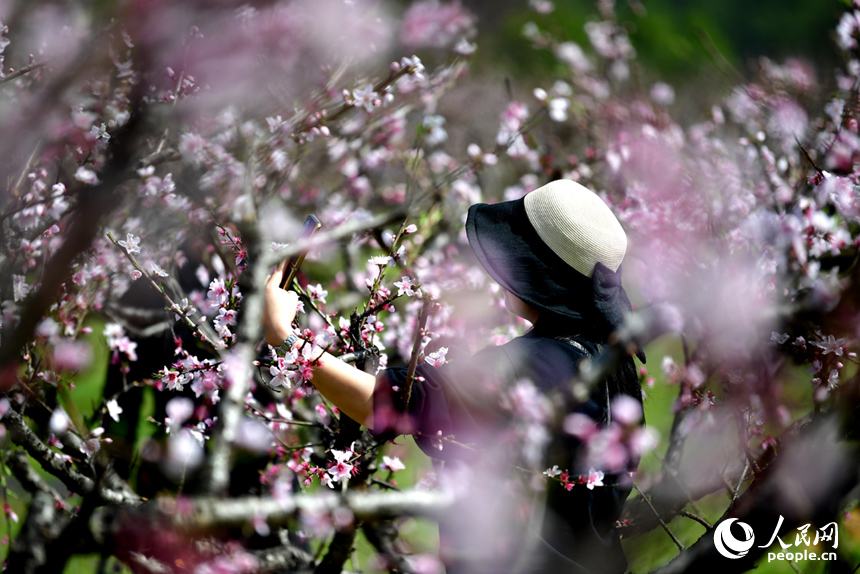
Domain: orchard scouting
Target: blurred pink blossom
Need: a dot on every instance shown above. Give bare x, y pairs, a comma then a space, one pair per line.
431, 24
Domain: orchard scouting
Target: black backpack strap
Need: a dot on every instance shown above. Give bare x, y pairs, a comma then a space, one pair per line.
573, 341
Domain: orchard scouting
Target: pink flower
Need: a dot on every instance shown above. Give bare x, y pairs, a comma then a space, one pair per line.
317, 292
117, 341
830, 345
130, 244
437, 358
127, 347
87, 176
579, 425
179, 410
391, 463
528, 403
552, 472
225, 318
20, 288
10, 513
59, 422
407, 286
218, 293
72, 356
435, 25
113, 409
365, 98
342, 470
626, 410
173, 379
381, 261
595, 478
156, 270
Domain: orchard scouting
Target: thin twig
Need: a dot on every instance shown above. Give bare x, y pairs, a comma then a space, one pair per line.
209, 338
269, 419
657, 514
673, 473
447, 439
416, 350
737, 490
22, 71
325, 316
696, 517
808, 158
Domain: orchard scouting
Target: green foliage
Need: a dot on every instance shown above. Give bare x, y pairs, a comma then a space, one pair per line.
675, 39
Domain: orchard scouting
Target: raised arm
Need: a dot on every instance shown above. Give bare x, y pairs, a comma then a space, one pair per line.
349, 388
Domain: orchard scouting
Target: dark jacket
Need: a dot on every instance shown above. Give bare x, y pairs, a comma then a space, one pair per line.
471, 399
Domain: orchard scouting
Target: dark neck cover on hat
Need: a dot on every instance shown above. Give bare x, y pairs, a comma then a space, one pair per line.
512, 252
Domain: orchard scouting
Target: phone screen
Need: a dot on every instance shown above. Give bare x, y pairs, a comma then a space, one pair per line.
311, 226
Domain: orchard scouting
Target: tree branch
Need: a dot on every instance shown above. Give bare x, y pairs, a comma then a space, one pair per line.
416, 350
115, 493
50, 461
365, 506
782, 490
93, 206
232, 405
338, 551
25, 70
29, 551
29, 478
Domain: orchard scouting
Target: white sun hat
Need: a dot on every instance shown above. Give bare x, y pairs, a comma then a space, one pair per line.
559, 249
577, 225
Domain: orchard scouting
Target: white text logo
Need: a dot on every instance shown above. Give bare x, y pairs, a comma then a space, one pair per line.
728, 545
731, 547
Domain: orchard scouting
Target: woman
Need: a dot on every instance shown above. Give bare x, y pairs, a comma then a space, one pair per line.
557, 253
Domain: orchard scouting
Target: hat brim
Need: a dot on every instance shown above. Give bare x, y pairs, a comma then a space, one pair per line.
513, 254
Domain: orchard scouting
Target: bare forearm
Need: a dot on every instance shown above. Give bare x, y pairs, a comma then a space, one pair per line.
349, 388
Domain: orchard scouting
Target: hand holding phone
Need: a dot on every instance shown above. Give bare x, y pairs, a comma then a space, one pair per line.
291, 267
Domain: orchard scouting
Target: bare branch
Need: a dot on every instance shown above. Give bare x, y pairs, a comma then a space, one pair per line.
365, 506
25, 70
272, 258
43, 524
285, 558
338, 551
657, 514
29, 478
113, 491
416, 350
50, 461
695, 517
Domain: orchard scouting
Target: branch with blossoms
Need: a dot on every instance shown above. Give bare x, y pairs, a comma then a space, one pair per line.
416, 350
202, 329
367, 98
312, 301
394, 255
93, 207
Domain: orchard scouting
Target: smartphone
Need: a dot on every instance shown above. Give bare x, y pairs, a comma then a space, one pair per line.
311, 226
